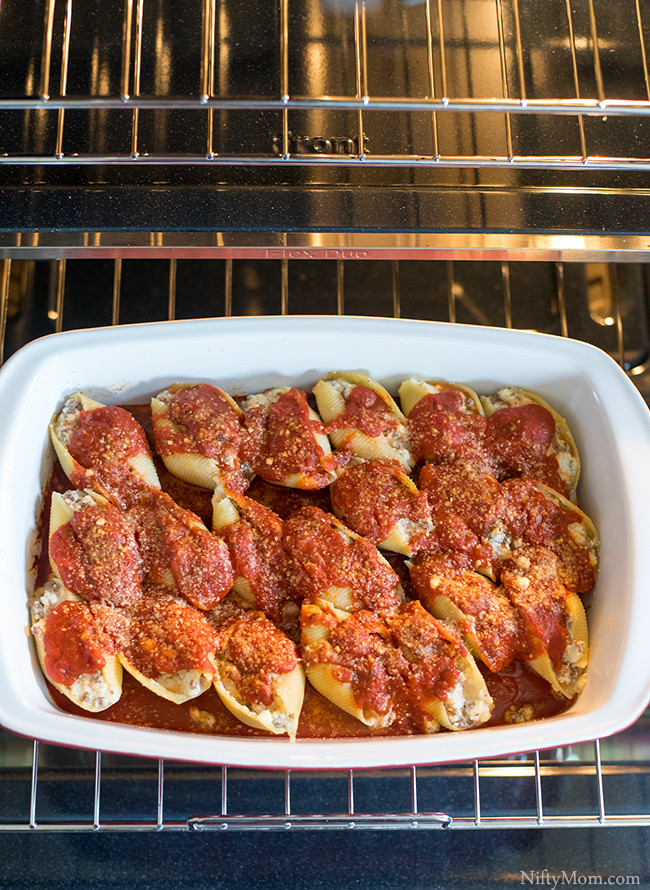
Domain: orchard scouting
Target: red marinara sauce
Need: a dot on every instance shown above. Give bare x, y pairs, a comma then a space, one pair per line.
491, 621
174, 539
256, 653
75, 644
366, 412
280, 442
162, 636
97, 555
104, 443
533, 518
430, 650
257, 553
374, 496
444, 430
321, 557
530, 577
519, 442
211, 421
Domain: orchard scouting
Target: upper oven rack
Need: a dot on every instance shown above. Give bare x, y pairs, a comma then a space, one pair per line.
336, 128
514, 68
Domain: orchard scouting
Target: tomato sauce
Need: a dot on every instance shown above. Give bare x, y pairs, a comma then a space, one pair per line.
322, 558
444, 431
256, 548
518, 440
374, 496
163, 636
365, 412
74, 642
104, 443
280, 442
97, 555
255, 651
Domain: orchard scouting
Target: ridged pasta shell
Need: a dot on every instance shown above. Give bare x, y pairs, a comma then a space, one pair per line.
224, 512
569, 461
322, 676
469, 693
412, 390
446, 610
356, 378
281, 716
571, 678
583, 531
179, 687
329, 400
91, 692
195, 469
191, 467
141, 465
341, 694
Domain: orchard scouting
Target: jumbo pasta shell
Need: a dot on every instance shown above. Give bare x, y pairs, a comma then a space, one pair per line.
571, 678
468, 703
324, 676
138, 466
183, 450
178, 687
412, 390
281, 716
332, 393
92, 692
563, 445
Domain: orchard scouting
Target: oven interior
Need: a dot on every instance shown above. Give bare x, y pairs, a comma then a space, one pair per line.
480, 162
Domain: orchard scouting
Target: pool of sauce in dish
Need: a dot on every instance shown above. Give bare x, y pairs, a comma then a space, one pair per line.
513, 689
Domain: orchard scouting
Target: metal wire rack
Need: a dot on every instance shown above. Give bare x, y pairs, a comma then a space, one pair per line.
477, 84
601, 783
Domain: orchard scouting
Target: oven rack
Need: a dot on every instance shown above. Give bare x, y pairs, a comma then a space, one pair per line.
603, 783
103, 792
479, 84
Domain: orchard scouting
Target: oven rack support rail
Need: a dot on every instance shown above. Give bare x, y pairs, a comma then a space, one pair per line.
222, 779
586, 90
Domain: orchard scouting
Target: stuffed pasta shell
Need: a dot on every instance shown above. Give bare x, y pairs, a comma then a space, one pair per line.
439, 677
361, 417
103, 448
284, 440
446, 422
380, 502
327, 561
525, 436
179, 552
93, 548
167, 646
347, 659
535, 514
75, 652
467, 514
198, 436
259, 677
491, 626
555, 618
254, 535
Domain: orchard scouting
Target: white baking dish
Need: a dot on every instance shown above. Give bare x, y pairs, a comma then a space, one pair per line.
609, 419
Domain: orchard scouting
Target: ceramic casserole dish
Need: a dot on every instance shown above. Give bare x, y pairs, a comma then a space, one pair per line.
128, 364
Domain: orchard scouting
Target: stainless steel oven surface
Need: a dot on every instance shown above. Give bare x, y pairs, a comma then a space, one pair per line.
476, 161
